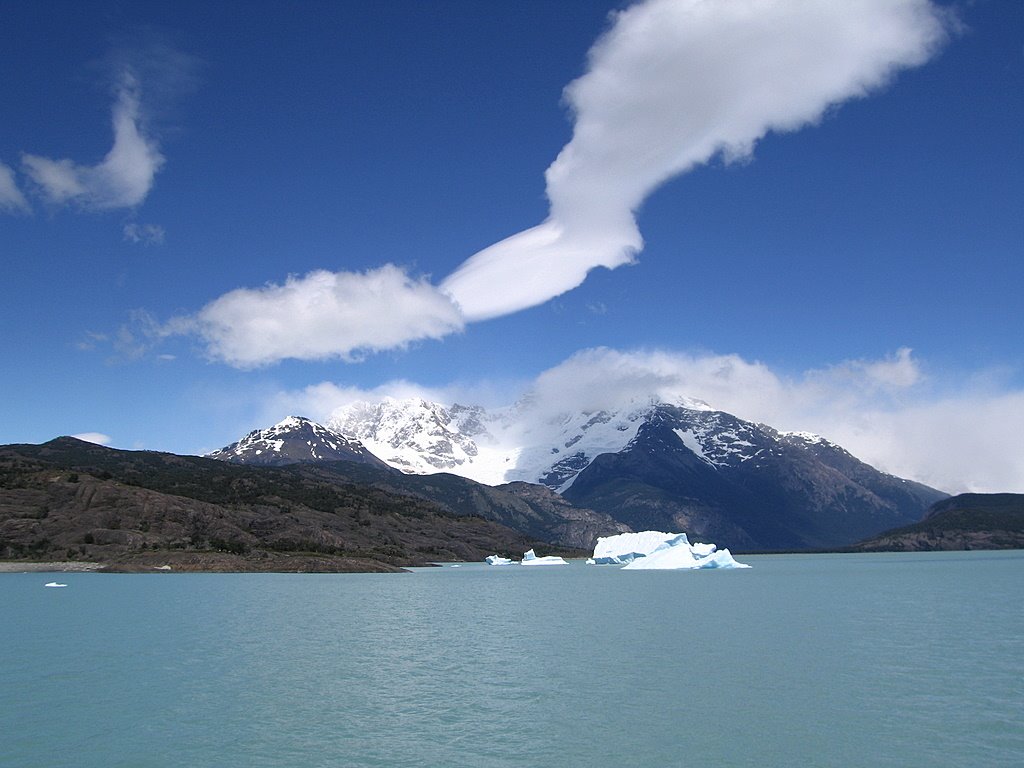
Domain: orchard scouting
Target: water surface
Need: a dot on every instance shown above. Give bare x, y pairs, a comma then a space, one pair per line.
838, 660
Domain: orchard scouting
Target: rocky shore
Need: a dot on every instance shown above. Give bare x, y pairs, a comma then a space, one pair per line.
207, 562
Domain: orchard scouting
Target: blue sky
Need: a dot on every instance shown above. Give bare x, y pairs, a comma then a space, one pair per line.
859, 276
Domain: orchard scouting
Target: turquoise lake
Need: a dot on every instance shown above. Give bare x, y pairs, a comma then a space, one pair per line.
812, 660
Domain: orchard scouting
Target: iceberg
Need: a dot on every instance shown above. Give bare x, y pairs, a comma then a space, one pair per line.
497, 560
626, 547
654, 550
678, 558
530, 558
54, 584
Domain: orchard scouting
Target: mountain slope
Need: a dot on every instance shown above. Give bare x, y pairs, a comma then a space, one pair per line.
537, 512
731, 481
69, 499
532, 509
967, 521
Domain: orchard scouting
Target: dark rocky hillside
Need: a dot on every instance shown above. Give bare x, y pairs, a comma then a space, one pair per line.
67, 499
967, 521
533, 509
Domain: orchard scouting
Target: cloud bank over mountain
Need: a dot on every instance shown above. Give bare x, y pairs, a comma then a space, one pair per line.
888, 412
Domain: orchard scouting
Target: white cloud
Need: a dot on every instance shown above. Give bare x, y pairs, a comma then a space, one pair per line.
672, 84
886, 412
147, 234
121, 180
902, 422
322, 315
93, 437
11, 199
319, 401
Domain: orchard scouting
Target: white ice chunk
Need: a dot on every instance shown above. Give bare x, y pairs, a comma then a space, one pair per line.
649, 550
626, 547
683, 557
54, 584
530, 558
498, 560
702, 550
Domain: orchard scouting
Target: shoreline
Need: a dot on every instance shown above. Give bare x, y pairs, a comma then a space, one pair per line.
56, 566
206, 562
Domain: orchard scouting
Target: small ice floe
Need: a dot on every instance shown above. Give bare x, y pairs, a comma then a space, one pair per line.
497, 560
456, 566
530, 558
53, 584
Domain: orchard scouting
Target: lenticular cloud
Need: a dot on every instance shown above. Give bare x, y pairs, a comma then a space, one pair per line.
673, 84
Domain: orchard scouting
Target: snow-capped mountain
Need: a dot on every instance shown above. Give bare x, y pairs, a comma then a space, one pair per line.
653, 465
717, 476
497, 446
295, 440
420, 437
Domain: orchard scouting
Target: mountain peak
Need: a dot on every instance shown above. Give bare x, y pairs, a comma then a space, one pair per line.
295, 440
293, 422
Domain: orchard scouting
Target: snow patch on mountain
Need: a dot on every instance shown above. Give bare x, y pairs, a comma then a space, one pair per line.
295, 439
421, 437
806, 437
718, 444
515, 443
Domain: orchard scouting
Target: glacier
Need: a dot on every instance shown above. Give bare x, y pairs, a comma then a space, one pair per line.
655, 550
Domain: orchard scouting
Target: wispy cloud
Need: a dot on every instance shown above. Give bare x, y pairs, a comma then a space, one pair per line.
11, 198
671, 85
956, 436
122, 179
146, 234
322, 315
